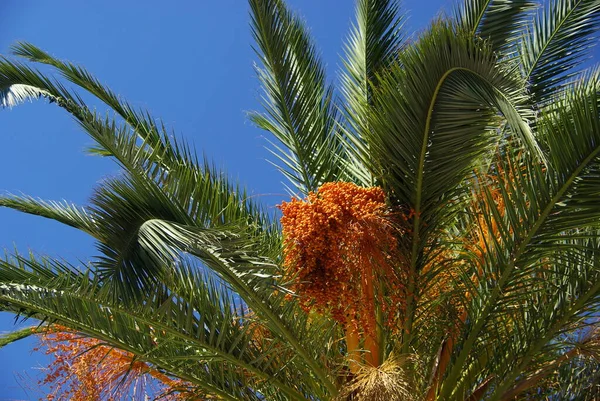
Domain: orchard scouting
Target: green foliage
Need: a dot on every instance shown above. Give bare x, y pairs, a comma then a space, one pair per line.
484, 133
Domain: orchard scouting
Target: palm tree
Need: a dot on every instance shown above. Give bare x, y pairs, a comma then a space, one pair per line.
443, 243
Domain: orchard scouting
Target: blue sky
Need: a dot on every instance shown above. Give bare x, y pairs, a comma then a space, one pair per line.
187, 62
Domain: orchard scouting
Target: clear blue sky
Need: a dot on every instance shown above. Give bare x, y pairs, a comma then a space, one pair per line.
188, 62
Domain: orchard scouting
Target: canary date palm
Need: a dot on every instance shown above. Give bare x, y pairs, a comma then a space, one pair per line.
443, 242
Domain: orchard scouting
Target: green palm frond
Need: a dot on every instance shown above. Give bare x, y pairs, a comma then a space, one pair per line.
373, 45
111, 137
199, 332
432, 122
14, 336
159, 178
579, 379
239, 262
559, 40
152, 133
548, 301
300, 107
63, 212
499, 21
544, 227
138, 248
19, 83
426, 109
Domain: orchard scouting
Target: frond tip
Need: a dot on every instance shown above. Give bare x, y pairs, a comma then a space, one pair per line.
14, 95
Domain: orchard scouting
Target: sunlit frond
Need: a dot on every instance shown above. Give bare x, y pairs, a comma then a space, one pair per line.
499, 21
300, 106
373, 45
559, 40
445, 244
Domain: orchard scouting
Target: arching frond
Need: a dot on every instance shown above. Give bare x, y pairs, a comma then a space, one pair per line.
152, 134
62, 212
198, 332
540, 271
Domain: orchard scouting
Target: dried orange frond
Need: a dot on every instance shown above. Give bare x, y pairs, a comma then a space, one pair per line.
85, 369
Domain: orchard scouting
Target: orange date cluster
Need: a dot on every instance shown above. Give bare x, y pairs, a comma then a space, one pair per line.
337, 245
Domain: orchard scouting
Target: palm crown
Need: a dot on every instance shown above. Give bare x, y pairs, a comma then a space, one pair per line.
444, 240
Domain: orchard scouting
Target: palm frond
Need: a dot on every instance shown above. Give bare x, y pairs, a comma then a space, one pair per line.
300, 109
13, 95
559, 40
151, 132
499, 21
19, 83
62, 212
238, 260
549, 222
158, 174
150, 193
198, 331
426, 109
112, 138
14, 336
373, 45
435, 117
433, 121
